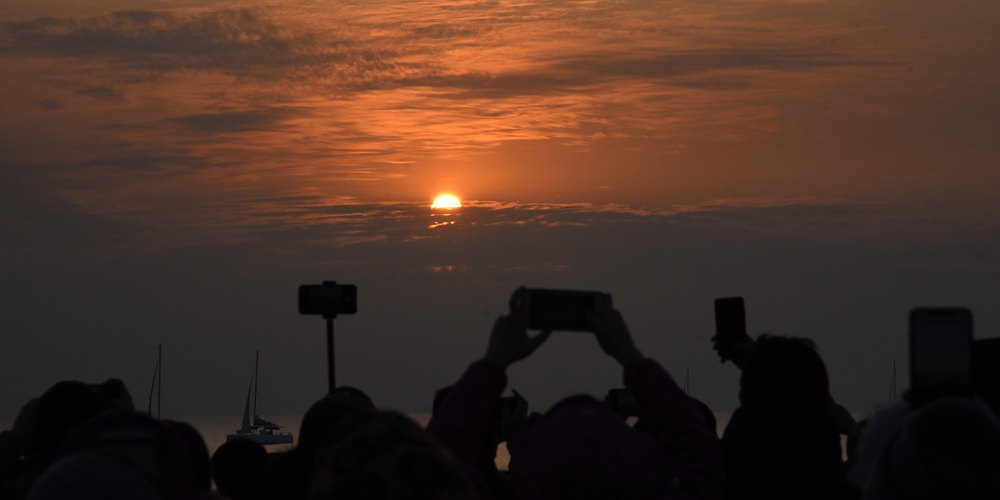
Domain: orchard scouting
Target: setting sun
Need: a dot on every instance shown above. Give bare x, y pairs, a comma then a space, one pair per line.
446, 202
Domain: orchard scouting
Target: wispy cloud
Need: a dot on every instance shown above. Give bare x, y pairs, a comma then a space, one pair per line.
101, 92
350, 221
155, 42
236, 121
390, 100
414, 46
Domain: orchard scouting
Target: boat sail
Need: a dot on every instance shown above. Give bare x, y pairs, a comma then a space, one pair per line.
259, 430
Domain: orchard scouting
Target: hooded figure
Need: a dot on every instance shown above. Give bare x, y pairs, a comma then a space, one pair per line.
949, 448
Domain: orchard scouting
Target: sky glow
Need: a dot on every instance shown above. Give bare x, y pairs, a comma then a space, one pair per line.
835, 162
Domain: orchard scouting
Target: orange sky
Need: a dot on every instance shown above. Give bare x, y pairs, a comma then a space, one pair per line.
181, 108
131, 128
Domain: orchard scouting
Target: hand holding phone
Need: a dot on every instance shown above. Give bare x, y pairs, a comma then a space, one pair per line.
509, 340
613, 335
731, 339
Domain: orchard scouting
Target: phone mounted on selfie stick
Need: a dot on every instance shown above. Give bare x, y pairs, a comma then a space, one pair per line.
329, 300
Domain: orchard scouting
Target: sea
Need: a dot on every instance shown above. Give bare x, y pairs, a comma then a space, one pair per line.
214, 430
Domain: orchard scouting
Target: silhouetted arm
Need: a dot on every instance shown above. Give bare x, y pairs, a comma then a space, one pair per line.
694, 455
463, 418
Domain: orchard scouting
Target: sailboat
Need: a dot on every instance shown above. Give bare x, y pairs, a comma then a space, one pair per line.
258, 430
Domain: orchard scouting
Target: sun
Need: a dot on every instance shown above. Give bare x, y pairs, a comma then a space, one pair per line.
446, 202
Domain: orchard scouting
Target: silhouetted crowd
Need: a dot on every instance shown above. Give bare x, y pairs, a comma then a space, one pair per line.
648, 441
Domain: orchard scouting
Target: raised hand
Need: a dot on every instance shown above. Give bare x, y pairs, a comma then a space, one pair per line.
613, 335
509, 341
738, 352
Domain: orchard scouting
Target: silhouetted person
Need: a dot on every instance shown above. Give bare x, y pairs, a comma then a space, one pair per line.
289, 476
708, 415
58, 411
505, 424
325, 415
26, 450
582, 449
94, 476
740, 352
14, 481
236, 465
949, 448
197, 452
781, 443
384, 455
115, 393
90, 461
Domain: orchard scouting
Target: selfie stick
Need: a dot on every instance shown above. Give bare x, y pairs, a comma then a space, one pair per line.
329, 350
328, 299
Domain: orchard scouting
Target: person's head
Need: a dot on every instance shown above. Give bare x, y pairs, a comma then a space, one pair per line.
114, 391
583, 449
58, 411
151, 447
197, 451
326, 414
785, 372
93, 476
236, 465
383, 455
571, 400
949, 448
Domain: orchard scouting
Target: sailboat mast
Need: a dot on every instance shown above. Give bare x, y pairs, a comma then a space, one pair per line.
152, 387
159, 381
256, 377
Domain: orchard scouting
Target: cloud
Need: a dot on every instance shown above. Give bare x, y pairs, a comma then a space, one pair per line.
347, 222
236, 121
270, 44
102, 93
49, 104
688, 62
245, 42
145, 163
365, 100
445, 30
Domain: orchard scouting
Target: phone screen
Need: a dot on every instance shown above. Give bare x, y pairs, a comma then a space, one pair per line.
560, 310
328, 299
940, 348
730, 320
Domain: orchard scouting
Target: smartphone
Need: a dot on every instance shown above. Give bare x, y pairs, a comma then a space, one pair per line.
623, 402
940, 349
730, 320
505, 407
561, 309
328, 299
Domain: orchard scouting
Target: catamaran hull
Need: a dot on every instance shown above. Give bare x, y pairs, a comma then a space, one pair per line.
263, 438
